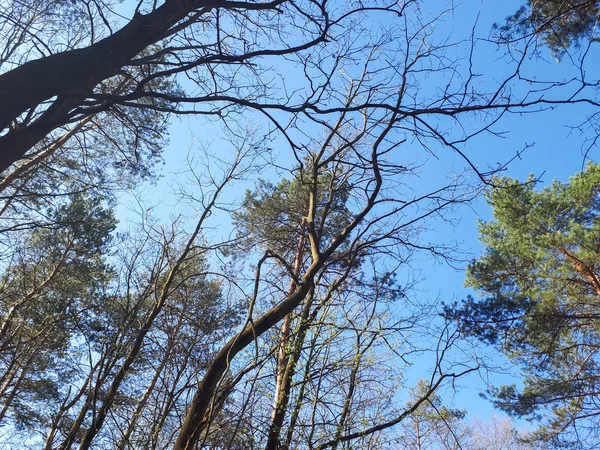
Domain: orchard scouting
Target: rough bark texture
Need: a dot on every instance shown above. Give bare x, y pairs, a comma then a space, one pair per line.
68, 78
72, 75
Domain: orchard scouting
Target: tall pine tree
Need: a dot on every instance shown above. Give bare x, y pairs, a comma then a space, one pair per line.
539, 288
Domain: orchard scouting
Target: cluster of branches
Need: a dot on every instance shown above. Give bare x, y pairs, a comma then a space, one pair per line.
137, 340
80, 69
148, 344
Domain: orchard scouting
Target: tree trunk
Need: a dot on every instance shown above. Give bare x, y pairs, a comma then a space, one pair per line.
72, 75
282, 380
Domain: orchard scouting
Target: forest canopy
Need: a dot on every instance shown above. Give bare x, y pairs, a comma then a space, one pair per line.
273, 296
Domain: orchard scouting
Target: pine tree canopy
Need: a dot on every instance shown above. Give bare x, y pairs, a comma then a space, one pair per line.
539, 287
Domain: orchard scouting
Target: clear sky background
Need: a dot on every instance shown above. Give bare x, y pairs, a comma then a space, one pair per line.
554, 152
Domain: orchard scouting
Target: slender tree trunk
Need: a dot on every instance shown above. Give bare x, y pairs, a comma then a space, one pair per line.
104, 368
361, 349
171, 397
101, 414
9, 373
300, 397
316, 397
196, 419
5, 326
418, 434
349, 396
285, 381
142, 403
281, 381
49, 442
10, 398
15, 390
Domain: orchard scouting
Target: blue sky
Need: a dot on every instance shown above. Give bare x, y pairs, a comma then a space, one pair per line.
553, 149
